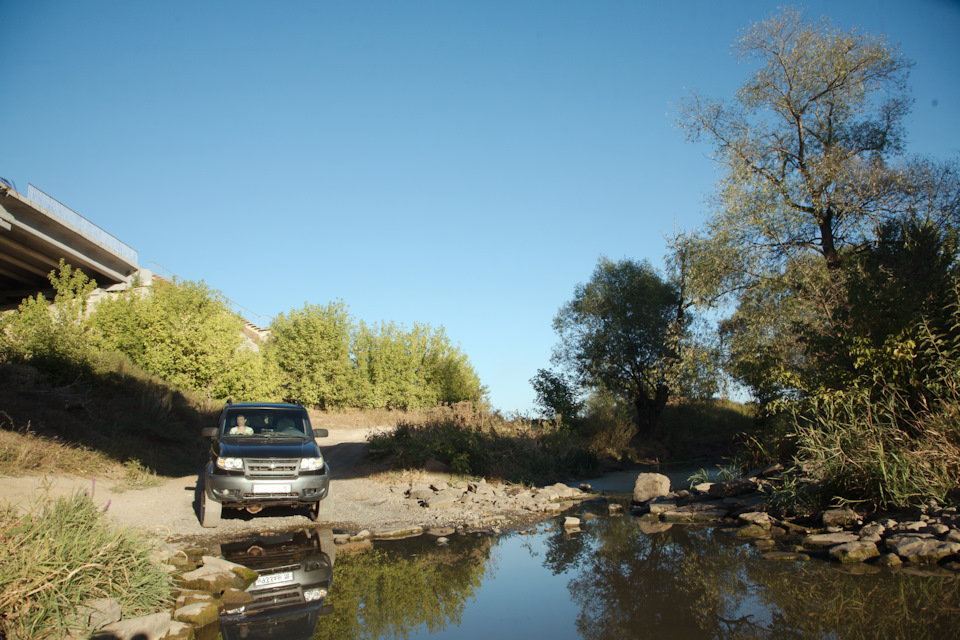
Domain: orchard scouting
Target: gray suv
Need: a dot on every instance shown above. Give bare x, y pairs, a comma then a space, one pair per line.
263, 454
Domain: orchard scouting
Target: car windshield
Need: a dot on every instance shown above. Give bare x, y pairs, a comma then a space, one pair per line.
266, 423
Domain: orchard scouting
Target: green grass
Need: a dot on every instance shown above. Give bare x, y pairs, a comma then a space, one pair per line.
62, 553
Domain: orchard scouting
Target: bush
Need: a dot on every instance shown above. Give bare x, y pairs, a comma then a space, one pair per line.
54, 337
892, 439
61, 554
477, 443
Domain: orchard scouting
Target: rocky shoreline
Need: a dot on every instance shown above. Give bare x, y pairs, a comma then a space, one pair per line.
925, 540
208, 586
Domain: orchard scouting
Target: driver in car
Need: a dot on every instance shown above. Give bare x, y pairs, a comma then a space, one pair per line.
242, 429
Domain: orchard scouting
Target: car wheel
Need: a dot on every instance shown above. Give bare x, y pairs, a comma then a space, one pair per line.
314, 511
210, 511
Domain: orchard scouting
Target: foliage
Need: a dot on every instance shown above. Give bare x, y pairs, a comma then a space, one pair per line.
388, 593
892, 438
608, 424
50, 336
556, 395
705, 428
23, 451
905, 279
410, 369
478, 443
330, 363
312, 348
61, 554
185, 333
619, 334
114, 415
811, 145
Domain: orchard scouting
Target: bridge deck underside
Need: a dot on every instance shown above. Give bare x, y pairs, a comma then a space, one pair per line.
32, 243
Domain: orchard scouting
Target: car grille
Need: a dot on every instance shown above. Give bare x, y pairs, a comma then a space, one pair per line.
271, 467
277, 596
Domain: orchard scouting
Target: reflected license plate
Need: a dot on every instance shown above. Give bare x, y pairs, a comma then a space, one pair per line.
274, 578
271, 488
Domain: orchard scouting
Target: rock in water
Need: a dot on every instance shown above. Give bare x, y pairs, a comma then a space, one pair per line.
649, 486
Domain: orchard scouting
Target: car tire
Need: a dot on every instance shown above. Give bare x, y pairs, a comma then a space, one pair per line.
210, 511
315, 511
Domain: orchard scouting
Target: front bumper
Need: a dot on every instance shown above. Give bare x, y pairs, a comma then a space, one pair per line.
241, 491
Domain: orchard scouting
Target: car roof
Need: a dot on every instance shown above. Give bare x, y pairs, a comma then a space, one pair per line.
263, 405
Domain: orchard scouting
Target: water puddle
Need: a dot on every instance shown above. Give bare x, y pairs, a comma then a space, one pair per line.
613, 578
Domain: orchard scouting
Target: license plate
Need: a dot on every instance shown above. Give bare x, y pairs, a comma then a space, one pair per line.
274, 578
271, 488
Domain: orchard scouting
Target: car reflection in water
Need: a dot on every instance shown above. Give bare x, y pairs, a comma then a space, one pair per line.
296, 572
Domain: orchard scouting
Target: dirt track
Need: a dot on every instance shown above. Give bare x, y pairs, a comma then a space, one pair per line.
359, 498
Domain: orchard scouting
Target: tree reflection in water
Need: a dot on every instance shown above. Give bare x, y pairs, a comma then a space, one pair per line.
686, 582
692, 582
397, 588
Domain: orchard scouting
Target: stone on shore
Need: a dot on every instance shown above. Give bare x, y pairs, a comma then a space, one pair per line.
198, 615
827, 540
96, 614
155, 626
649, 486
397, 533
733, 488
858, 551
758, 518
697, 512
213, 579
922, 550
839, 518
750, 531
784, 556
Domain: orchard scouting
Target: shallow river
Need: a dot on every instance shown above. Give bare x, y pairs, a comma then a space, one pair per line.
617, 577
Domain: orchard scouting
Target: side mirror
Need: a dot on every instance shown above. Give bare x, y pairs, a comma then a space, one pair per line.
320, 433
209, 432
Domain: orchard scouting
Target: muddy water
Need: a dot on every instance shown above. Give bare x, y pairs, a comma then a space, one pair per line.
611, 580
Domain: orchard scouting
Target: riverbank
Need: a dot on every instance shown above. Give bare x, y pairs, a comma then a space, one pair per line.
927, 537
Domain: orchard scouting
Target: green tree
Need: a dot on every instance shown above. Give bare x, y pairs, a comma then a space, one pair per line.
618, 334
51, 334
185, 333
812, 147
407, 369
311, 347
557, 394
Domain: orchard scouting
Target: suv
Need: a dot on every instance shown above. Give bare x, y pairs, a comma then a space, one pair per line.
263, 454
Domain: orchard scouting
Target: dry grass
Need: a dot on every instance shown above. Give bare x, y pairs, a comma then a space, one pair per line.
24, 452
367, 418
474, 442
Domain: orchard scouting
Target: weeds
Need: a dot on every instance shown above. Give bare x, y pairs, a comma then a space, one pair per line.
62, 553
474, 442
24, 451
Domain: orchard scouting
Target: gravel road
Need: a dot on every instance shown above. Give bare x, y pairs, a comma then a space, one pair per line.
359, 498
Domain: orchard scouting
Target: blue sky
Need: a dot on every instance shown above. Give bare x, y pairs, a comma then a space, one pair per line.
461, 164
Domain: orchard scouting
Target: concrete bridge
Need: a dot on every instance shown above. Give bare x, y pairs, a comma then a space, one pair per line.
36, 231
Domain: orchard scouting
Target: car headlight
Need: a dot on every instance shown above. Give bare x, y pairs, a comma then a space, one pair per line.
311, 464
314, 594
230, 464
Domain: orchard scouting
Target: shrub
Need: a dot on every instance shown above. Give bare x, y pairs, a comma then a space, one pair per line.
475, 442
62, 553
892, 439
